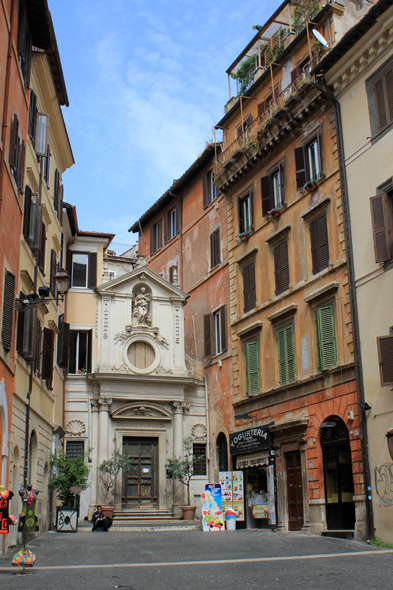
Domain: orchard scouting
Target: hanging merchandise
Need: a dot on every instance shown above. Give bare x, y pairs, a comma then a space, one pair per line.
28, 520
5, 497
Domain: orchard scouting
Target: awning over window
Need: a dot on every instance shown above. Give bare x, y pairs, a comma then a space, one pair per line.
252, 460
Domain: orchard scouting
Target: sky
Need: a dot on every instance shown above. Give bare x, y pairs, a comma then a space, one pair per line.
146, 84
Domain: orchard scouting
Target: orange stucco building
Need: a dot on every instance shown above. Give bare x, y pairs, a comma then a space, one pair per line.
290, 315
184, 238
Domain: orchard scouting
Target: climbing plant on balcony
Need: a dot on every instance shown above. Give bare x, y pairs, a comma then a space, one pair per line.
304, 11
243, 76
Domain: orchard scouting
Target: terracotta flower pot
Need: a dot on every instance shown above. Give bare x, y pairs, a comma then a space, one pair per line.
188, 512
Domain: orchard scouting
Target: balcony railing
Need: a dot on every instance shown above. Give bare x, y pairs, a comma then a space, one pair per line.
252, 135
124, 250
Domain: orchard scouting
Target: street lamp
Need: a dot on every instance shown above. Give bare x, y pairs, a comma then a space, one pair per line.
63, 282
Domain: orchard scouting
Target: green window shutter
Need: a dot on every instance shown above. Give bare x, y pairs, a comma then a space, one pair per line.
252, 367
286, 354
326, 337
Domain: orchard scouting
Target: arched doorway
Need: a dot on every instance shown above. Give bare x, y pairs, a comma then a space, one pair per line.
337, 467
222, 452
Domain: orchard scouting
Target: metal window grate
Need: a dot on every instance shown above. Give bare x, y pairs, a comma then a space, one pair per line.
199, 450
75, 449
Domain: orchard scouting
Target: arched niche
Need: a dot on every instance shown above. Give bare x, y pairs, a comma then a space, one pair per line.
222, 452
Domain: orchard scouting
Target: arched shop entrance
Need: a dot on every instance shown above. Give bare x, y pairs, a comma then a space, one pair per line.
337, 464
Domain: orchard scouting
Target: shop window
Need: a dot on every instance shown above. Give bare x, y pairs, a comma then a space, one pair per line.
209, 189
326, 337
319, 244
252, 367
286, 354
75, 448
199, 450
80, 351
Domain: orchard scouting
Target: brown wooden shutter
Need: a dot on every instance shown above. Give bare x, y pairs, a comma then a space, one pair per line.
41, 255
295, 73
206, 189
301, 167
14, 143
281, 267
69, 263
166, 228
152, 248
323, 244
217, 246
249, 287
28, 344
22, 29
56, 192
267, 197
159, 234
20, 326
212, 241
61, 200
21, 167
63, 343
380, 103
32, 116
178, 216
92, 279
26, 212
47, 358
207, 328
52, 283
224, 337
8, 310
380, 223
38, 350
240, 209
47, 165
385, 355
314, 246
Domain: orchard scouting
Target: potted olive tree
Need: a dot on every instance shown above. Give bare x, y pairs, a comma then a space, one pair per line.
109, 471
182, 469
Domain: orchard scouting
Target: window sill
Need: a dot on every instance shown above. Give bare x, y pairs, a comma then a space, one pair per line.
81, 290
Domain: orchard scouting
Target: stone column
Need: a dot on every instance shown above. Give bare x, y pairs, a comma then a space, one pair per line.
94, 454
103, 439
178, 488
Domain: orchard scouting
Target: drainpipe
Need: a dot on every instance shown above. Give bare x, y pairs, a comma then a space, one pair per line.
353, 303
208, 429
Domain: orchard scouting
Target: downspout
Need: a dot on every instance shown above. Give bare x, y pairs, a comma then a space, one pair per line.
207, 430
6, 95
353, 303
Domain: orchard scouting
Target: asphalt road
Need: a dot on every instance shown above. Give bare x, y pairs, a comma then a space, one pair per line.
193, 560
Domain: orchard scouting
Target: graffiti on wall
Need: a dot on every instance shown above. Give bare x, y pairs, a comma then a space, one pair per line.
384, 484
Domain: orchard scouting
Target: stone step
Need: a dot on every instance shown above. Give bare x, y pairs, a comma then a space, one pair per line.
339, 533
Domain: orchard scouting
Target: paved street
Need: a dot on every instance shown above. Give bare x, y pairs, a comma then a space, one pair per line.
192, 560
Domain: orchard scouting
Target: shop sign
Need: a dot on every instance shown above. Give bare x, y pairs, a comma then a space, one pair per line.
250, 440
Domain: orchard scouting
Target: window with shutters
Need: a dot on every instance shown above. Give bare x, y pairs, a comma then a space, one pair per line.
385, 357
83, 269
319, 244
156, 236
32, 228
8, 310
382, 226
383, 94
47, 356
42, 251
281, 266
308, 162
209, 189
199, 452
245, 212
215, 332
286, 354
253, 378
33, 111
24, 42
326, 337
172, 224
272, 189
16, 156
47, 165
63, 342
26, 331
243, 128
215, 248
249, 286
80, 349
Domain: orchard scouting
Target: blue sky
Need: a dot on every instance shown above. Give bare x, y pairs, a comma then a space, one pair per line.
146, 83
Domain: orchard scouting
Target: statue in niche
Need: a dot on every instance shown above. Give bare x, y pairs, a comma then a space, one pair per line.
141, 308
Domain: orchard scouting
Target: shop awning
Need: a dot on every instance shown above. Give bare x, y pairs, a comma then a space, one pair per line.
252, 460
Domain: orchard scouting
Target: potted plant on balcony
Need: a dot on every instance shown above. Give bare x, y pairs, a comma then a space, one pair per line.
242, 237
311, 185
182, 469
109, 471
273, 214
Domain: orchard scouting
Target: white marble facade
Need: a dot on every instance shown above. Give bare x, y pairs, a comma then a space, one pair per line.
139, 386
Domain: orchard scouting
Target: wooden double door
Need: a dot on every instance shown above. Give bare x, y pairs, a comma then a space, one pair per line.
295, 491
140, 483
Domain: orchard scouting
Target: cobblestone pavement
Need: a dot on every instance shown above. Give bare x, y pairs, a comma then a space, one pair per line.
193, 560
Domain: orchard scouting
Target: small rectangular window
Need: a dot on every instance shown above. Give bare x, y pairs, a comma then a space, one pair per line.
156, 237
319, 244
215, 332
75, 448
272, 189
209, 189
80, 352
215, 248
308, 162
249, 286
199, 451
80, 264
326, 337
281, 267
245, 213
172, 224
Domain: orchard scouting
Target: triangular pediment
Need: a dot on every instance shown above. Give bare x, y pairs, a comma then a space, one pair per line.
142, 276
142, 411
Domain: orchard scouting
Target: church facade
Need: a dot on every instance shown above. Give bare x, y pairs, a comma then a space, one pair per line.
135, 393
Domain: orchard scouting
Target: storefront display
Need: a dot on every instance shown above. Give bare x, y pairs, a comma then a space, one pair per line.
232, 485
212, 508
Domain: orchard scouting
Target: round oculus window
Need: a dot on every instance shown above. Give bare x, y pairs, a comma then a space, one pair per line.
141, 355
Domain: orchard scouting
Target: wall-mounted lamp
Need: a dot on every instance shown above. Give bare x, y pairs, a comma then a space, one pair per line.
63, 282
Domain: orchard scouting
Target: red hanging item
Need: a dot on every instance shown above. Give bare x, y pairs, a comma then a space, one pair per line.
4, 511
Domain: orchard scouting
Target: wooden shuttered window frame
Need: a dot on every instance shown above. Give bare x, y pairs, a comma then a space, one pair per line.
47, 355
207, 331
21, 167
385, 357
301, 166
207, 189
156, 236
33, 111
52, 283
215, 248
281, 266
178, 209
246, 123
27, 326
243, 225
210, 332
27, 213
381, 228
249, 286
267, 190
24, 43
8, 310
326, 337
319, 243
63, 342
41, 254
47, 165
56, 193
252, 367
383, 94
286, 354
14, 144
92, 271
